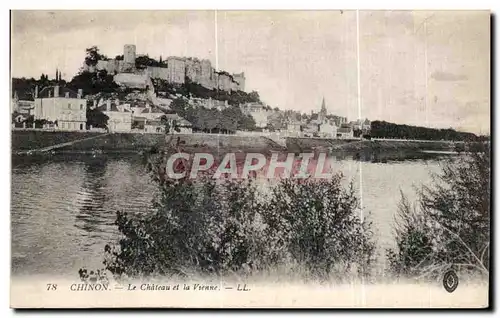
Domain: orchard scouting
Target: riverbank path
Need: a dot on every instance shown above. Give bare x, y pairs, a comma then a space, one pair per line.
64, 144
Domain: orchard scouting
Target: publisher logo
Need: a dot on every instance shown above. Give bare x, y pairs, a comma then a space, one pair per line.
450, 281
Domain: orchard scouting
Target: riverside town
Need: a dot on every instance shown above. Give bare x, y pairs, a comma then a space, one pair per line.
271, 159
112, 98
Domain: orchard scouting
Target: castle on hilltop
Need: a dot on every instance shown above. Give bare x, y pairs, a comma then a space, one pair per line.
173, 70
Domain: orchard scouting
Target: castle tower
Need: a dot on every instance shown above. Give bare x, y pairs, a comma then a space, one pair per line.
129, 53
206, 74
240, 79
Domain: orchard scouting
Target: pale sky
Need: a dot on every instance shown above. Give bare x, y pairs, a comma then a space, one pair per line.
294, 58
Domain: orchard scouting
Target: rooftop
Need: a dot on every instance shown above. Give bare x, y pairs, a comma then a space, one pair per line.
152, 110
44, 93
344, 130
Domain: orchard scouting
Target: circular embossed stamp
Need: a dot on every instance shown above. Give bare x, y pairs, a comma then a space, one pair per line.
450, 281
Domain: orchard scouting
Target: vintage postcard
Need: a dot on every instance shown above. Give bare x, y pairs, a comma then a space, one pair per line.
250, 159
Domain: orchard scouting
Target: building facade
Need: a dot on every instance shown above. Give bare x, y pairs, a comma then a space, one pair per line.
61, 105
119, 116
25, 107
345, 132
259, 113
327, 130
294, 128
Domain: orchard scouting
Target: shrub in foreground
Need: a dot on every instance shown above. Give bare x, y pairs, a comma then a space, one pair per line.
449, 226
209, 226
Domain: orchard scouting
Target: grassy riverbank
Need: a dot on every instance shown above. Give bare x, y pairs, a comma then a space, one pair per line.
23, 140
355, 145
36, 139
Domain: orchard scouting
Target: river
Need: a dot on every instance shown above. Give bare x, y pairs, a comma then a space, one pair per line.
63, 207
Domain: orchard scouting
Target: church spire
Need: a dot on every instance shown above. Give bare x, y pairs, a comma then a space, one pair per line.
322, 113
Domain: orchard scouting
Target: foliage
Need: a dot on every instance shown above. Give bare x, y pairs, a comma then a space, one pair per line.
143, 61
195, 226
96, 118
449, 226
247, 122
317, 222
92, 56
212, 120
219, 227
277, 120
93, 82
29, 121
93, 277
169, 124
166, 123
382, 129
25, 87
191, 89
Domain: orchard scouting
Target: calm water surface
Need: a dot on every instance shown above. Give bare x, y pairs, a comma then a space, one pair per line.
63, 208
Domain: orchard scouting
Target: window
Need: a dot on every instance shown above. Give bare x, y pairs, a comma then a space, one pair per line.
69, 106
81, 106
62, 125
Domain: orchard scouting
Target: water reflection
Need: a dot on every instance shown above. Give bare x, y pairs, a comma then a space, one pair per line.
64, 206
378, 156
91, 197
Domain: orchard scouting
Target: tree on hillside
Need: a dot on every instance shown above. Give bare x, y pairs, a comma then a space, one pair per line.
254, 96
93, 56
143, 61
277, 121
229, 119
96, 118
93, 83
179, 105
246, 122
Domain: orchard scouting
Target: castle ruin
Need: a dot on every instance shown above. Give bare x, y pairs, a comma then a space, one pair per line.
174, 70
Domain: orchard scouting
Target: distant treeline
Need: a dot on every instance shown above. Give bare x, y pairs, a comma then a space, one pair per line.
383, 129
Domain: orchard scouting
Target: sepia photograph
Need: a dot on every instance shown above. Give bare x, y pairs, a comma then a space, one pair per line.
250, 158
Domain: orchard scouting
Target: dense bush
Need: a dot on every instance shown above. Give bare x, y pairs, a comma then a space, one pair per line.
212, 226
316, 223
449, 226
